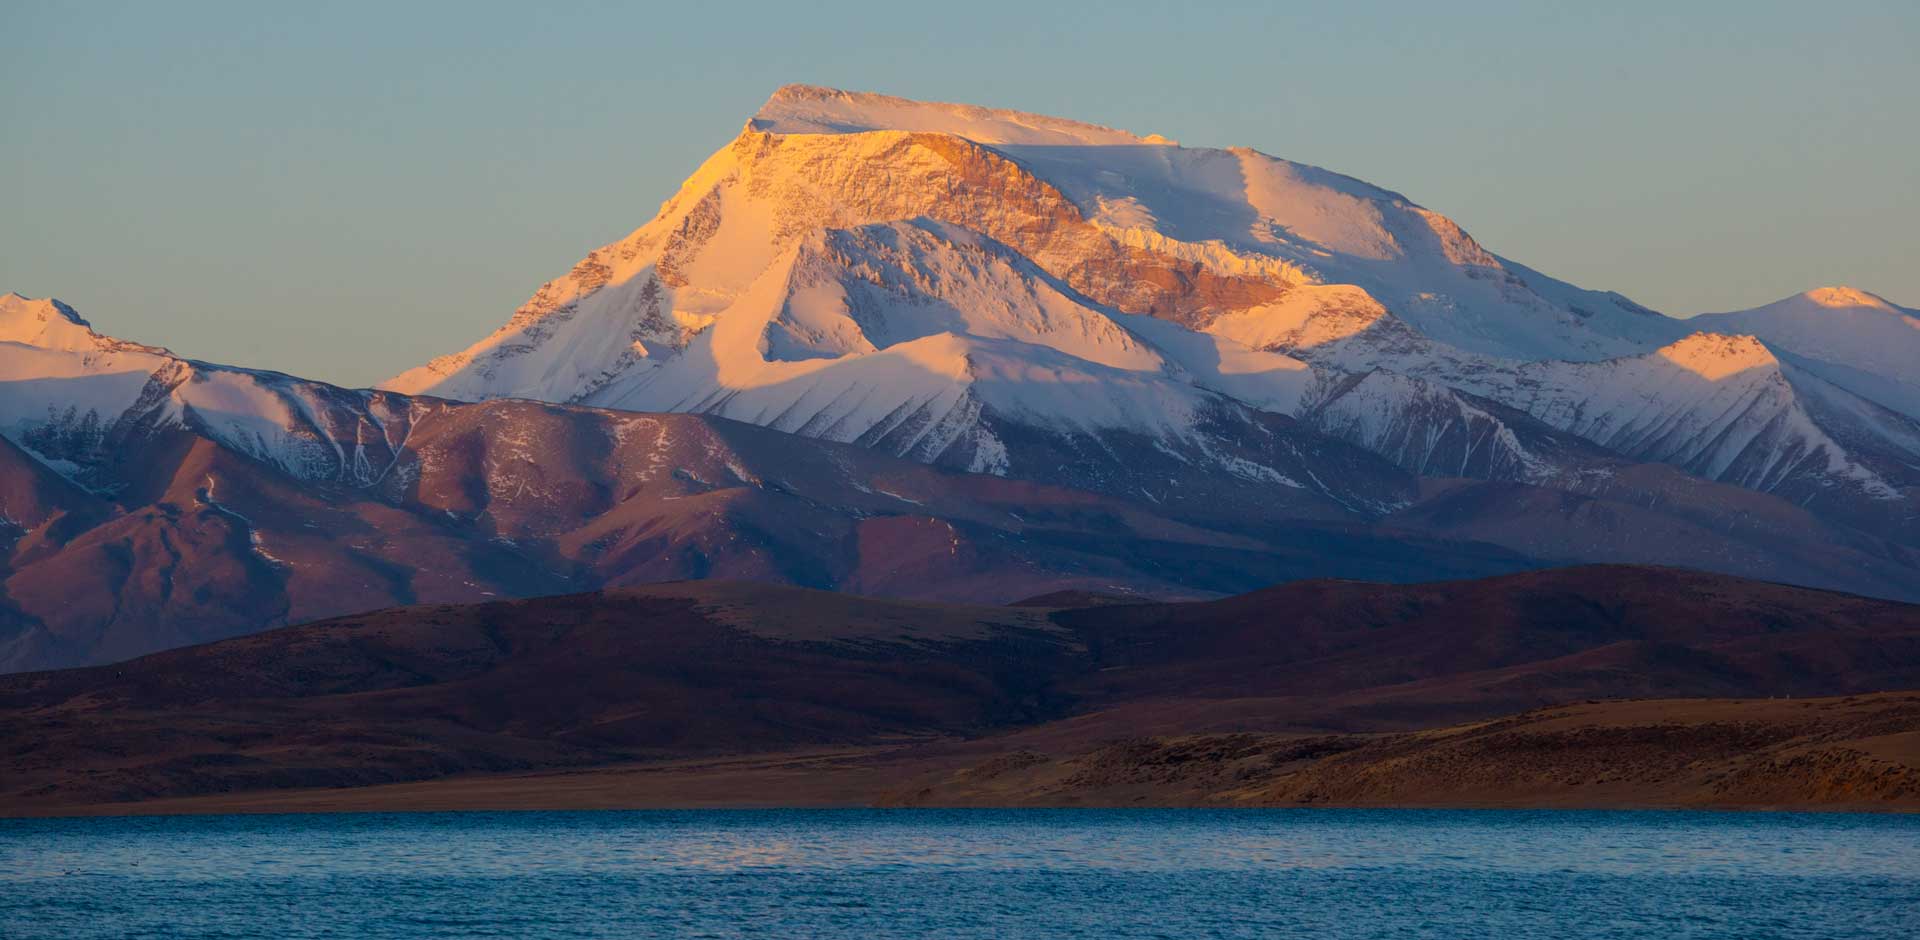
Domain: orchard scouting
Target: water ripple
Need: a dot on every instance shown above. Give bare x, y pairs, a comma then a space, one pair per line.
1017, 873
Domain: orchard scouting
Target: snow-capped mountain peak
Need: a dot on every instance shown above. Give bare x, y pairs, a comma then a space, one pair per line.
46, 323
1852, 338
70, 396
943, 281
810, 109
1716, 356
1843, 296
1272, 251
16, 308
1821, 303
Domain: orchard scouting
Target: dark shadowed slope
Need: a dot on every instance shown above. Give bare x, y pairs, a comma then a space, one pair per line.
195, 542
1355, 655
709, 670
421, 692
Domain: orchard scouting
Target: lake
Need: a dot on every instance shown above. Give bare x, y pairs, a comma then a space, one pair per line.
978, 873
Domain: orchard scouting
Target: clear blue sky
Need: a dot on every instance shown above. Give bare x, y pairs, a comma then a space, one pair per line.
344, 190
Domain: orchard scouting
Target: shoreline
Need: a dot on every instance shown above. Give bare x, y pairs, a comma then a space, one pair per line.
299, 803
1853, 754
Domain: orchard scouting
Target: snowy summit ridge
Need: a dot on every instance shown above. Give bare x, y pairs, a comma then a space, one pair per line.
935, 280
811, 109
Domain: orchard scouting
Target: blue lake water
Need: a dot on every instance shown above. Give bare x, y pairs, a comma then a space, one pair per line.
986, 873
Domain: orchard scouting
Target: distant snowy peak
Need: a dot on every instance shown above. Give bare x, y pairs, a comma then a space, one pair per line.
64, 386
1722, 407
1823, 307
809, 109
49, 324
1725, 407
71, 396
1850, 337
1841, 297
21, 315
1715, 356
